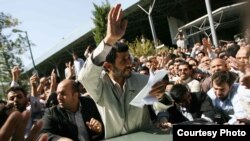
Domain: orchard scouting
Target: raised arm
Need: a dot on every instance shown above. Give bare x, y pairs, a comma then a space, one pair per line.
116, 26
15, 75
90, 74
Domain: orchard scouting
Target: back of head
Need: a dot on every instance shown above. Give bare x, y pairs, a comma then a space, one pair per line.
232, 50
178, 91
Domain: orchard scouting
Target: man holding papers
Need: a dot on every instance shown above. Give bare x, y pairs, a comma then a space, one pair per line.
114, 88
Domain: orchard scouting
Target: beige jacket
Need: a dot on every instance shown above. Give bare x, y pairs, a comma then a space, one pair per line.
116, 115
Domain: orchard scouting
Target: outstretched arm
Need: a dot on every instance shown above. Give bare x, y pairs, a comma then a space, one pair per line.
116, 26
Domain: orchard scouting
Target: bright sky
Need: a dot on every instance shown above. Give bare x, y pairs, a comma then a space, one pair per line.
49, 21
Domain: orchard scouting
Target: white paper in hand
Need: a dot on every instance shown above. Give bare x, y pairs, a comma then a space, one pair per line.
143, 97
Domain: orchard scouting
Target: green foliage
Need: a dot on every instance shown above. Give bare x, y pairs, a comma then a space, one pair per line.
139, 48
12, 45
100, 21
7, 21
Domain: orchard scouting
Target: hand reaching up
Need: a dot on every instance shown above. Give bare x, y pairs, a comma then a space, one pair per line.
116, 26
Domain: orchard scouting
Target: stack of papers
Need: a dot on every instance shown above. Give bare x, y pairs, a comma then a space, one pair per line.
143, 98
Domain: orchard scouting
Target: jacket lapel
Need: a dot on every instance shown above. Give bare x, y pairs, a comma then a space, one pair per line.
67, 122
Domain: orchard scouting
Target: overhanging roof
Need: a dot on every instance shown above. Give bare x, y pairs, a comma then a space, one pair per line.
222, 16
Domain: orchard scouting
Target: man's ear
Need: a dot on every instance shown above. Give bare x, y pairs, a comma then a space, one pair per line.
107, 66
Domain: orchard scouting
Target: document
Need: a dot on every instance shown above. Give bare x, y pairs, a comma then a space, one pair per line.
143, 98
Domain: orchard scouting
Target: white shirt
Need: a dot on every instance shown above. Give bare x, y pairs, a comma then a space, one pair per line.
78, 65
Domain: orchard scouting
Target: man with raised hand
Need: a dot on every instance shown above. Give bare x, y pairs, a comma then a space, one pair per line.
114, 88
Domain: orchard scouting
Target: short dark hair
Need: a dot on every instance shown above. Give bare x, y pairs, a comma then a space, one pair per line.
186, 64
223, 77
14, 89
232, 50
117, 47
178, 91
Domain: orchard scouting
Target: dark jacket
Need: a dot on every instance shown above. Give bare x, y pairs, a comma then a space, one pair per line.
200, 104
57, 123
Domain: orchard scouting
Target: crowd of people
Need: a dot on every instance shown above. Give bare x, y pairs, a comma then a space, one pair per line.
204, 85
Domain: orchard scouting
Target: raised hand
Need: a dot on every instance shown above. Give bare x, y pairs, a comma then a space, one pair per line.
15, 73
116, 26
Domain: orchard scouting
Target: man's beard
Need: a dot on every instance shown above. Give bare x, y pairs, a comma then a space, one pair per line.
121, 74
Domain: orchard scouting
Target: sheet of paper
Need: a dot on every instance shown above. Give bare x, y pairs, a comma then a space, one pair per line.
143, 97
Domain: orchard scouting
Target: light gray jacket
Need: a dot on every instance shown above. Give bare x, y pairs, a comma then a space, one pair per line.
115, 114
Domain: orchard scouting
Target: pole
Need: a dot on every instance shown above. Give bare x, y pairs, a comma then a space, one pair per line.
152, 29
151, 22
211, 22
31, 54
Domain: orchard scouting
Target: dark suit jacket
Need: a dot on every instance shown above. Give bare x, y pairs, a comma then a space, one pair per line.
57, 123
200, 104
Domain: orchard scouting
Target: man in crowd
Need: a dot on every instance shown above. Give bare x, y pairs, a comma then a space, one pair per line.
75, 118
185, 77
115, 88
187, 107
216, 65
78, 63
225, 97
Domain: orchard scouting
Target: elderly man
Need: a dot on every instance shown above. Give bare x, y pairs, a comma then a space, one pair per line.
115, 88
75, 118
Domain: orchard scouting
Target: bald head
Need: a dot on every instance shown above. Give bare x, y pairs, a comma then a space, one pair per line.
69, 84
243, 55
218, 64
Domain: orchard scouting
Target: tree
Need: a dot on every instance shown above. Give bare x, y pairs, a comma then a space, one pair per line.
11, 45
141, 47
100, 21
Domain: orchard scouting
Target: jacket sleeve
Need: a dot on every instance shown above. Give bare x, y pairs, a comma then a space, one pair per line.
50, 126
90, 74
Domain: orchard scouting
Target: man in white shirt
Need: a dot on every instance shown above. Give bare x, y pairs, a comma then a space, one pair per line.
185, 77
78, 63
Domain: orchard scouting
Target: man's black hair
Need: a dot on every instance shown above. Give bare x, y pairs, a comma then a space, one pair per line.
14, 89
232, 50
117, 47
223, 77
186, 64
178, 91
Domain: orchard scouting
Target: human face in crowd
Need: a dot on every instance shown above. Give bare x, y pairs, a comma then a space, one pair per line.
67, 99
205, 62
123, 65
193, 64
18, 99
218, 65
176, 66
221, 91
243, 56
199, 57
171, 69
184, 72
